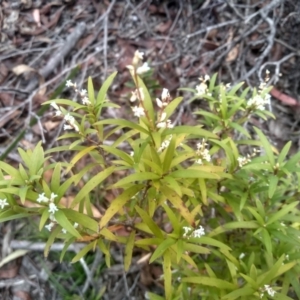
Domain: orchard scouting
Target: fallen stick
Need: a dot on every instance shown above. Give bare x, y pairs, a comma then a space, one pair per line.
61, 54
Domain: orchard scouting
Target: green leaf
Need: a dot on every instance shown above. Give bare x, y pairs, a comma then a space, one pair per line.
273, 181
78, 156
103, 91
172, 218
119, 202
167, 274
81, 219
284, 152
84, 251
208, 281
168, 157
203, 191
55, 180
238, 294
118, 153
53, 235
195, 130
266, 144
129, 250
66, 224
160, 250
240, 129
123, 123
91, 184
266, 240
180, 249
23, 193
178, 203
195, 248
136, 177
149, 222
282, 212
172, 106
192, 173
9, 170
91, 92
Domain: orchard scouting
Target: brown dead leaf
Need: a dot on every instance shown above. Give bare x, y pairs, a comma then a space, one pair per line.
23, 69
163, 27
233, 53
286, 99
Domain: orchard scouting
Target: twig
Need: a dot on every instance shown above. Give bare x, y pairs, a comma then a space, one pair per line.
39, 246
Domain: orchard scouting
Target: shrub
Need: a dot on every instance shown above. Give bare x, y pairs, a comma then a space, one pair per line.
215, 204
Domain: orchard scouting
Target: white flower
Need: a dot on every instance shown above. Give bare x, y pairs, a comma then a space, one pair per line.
69, 83
167, 124
243, 161
49, 226
163, 116
42, 198
186, 230
85, 101
138, 56
69, 118
202, 152
64, 231
83, 92
164, 145
58, 113
198, 232
138, 111
258, 102
52, 197
206, 77
201, 89
52, 208
137, 94
3, 203
131, 153
75, 225
242, 255
159, 103
199, 161
76, 127
67, 127
143, 69
269, 290
52, 218
165, 95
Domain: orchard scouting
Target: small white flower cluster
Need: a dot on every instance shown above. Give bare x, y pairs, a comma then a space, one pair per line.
267, 289
138, 111
83, 93
202, 87
258, 102
143, 69
163, 123
202, 153
52, 208
137, 94
71, 123
165, 100
196, 233
68, 118
242, 160
165, 144
138, 56
3, 203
